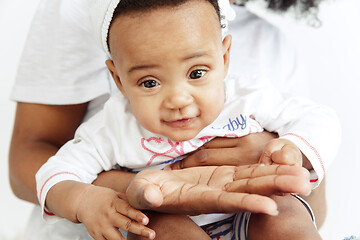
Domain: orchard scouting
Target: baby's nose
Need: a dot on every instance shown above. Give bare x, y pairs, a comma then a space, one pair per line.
178, 99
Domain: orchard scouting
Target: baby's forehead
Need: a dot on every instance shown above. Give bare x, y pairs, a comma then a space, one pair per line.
143, 6
136, 9
102, 12
166, 24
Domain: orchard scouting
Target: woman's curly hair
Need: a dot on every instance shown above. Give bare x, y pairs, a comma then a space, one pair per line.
303, 5
303, 8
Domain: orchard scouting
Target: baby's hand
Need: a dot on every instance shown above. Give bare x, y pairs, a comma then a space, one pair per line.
281, 151
103, 211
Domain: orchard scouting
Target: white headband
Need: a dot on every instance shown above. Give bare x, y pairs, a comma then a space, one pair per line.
101, 13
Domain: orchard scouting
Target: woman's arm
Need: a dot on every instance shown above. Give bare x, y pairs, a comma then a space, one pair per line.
39, 131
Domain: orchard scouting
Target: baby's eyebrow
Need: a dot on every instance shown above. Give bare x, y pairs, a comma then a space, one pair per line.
141, 67
148, 66
196, 55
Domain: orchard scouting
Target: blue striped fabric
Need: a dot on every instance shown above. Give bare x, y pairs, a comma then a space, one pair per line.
234, 228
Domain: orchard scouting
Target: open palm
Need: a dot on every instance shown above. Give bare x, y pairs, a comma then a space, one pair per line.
215, 189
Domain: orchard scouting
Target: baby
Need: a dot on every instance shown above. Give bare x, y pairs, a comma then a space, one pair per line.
169, 61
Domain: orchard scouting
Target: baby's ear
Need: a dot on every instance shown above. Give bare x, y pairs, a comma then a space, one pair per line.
111, 66
226, 46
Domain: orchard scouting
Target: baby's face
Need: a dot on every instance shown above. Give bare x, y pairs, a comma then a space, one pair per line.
170, 63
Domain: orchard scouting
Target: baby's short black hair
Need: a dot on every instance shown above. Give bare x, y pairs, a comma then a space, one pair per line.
131, 6
126, 6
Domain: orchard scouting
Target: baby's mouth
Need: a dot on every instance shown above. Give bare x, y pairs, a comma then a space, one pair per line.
179, 123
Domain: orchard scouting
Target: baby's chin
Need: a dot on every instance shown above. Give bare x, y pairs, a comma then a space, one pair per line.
182, 137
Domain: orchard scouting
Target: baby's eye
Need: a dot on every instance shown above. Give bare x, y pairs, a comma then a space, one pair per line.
197, 74
149, 84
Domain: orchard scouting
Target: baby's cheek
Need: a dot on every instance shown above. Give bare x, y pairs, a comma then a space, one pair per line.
146, 117
214, 109
219, 100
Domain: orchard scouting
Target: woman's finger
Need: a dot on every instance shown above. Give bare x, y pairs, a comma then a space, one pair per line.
144, 195
253, 140
269, 185
227, 151
259, 170
217, 157
230, 202
221, 142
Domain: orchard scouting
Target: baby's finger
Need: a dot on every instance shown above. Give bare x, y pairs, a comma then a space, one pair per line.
270, 148
113, 234
289, 155
97, 236
265, 158
126, 209
129, 225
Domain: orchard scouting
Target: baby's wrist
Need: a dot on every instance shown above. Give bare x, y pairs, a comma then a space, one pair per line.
79, 201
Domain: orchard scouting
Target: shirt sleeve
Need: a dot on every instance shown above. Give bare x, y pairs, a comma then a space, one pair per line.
61, 62
314, 128
80, 159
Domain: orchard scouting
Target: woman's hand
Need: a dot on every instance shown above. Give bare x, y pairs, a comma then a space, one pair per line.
224, 189
228, 151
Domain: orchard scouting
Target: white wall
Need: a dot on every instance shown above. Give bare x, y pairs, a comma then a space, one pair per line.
339, 86
15, 17
329, 73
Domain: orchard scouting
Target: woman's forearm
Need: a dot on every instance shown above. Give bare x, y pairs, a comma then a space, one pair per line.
39, 131
24, 161
114, 179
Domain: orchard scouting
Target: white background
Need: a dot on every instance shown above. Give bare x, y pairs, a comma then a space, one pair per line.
329, 60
